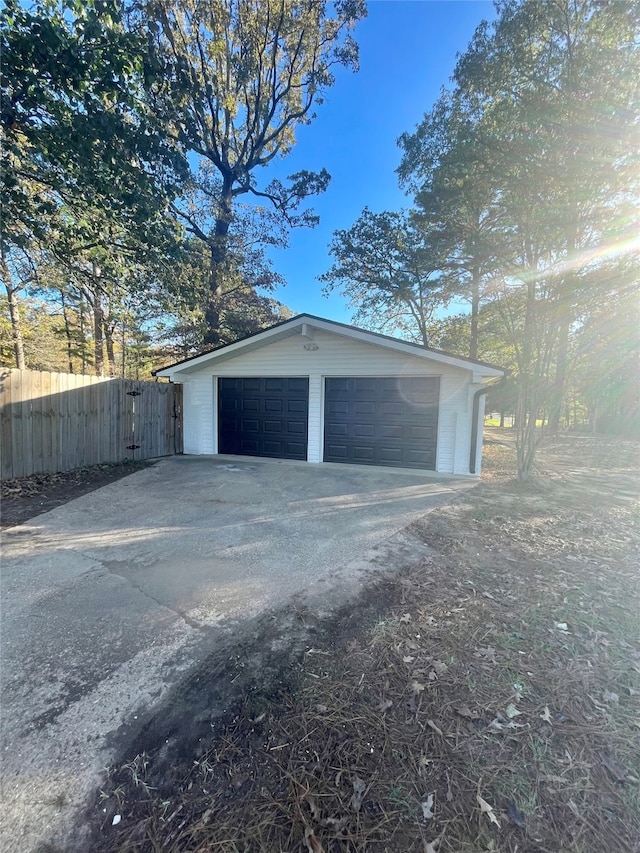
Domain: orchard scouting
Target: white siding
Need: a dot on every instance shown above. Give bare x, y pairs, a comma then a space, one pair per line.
336, 355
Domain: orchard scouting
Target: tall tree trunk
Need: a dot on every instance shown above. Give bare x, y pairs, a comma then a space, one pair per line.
98, 323
67, 331
565, 303
219, 251
108, 339
124, 348
83, 339
16, 328
528, 393
14, 315
475, 308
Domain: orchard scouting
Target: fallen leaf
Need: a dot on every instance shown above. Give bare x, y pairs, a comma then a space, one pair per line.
416, 687
487, 652
514, 814
405, 618
359, 787
546, 715
408, 659
433, 726
440, 667
313, 807
312, 841
321, 709
545, 777
465, 711
613, 766
423, 763
432, 675
607, 696
427, 807
384, 705
485, 808
496, 725
336, 823
512, 711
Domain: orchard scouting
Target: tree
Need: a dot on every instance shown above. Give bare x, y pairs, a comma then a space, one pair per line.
74, 126
556, 86
452, 176
390, 269
77, 140
536, 144
238, 77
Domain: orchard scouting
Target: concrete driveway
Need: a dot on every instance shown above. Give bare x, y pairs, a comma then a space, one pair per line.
108, 601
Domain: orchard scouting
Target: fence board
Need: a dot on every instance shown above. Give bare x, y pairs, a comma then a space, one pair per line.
36, 421
19, 429
60, 421
6, 462
45, 418
53, 423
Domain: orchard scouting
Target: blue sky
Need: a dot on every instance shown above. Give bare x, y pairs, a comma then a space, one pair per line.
407, 53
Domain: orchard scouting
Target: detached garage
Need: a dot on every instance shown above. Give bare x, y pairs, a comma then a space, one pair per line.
316, 390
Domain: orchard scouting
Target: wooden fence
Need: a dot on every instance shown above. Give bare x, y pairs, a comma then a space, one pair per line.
60, 421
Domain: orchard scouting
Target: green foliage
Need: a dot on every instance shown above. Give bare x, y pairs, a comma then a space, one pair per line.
73, 125
390, 269
237, 78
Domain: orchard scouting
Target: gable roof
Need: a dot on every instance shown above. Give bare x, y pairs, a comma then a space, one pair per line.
295, 325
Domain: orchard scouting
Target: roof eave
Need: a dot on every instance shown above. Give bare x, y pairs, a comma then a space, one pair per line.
288, 327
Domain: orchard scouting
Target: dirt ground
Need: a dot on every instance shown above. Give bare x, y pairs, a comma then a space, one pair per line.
486, 699
27, 497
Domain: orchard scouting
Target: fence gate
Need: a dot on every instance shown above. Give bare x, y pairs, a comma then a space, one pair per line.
60, 421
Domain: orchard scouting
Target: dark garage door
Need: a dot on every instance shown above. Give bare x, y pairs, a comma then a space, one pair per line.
263, 417
382, 421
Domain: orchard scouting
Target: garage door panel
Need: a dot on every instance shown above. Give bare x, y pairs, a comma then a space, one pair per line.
364, 408
335, 430
391, 431
363, 453
382, 420
337, 452
278, 416
390, 456
363, 430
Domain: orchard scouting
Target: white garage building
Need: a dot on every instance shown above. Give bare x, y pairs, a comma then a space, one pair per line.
321, 391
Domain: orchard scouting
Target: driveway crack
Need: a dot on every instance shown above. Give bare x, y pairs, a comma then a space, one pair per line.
110, 565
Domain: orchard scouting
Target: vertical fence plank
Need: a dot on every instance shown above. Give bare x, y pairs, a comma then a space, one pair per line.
27, 420
115, 412
6, 442
47, 427
76, 428
60, 402
36, 422
53, 445
17, 447
93, 443
106, 444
